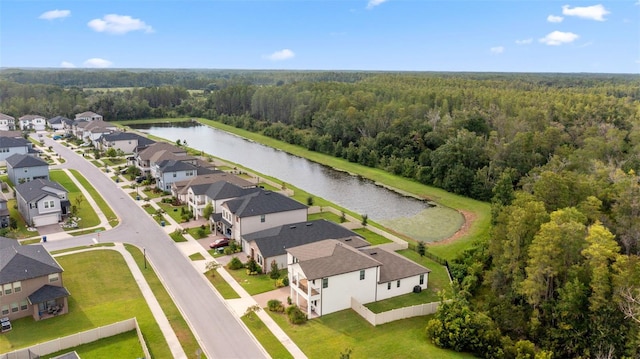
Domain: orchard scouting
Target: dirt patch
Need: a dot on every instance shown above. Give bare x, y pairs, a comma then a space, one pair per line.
469, 218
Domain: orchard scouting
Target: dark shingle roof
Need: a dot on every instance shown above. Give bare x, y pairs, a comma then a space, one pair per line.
36, 189
222, 190
24, 262
394, 266
48, 292
124, 136
13, 142
18, 160
58, 119
275, 241
174, 166
262, 202
330, 257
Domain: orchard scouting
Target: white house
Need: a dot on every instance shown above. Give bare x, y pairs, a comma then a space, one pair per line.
198, 196
127, 142
257, 211
42, 202
325, 275
58, 122
7, 123
271, 244
146, 157
180, 189
88, 116
32, 122
12, 145
23, 168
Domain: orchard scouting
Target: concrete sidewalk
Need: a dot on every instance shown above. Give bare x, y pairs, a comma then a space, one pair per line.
147, 293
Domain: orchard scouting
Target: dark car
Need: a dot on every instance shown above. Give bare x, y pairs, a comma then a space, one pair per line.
219, 243
57, 137
139, 179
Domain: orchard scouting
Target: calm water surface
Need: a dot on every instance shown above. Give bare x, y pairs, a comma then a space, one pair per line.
358, 195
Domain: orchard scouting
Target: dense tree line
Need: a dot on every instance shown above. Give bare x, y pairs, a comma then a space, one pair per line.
558, 156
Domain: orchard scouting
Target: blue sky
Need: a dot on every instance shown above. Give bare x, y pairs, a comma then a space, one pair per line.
395, 35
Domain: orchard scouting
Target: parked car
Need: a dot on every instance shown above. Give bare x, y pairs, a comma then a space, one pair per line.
139, 179
57, 137
219, 243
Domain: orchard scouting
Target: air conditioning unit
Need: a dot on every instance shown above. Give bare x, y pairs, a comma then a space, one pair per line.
417, 289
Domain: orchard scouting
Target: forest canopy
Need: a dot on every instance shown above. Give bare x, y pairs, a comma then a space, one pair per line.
557, 155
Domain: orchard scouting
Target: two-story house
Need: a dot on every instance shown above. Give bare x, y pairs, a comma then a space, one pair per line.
13, 145
198, 196
180, 189
30, 281
168, 171
4, 212
271, 244
23, 168
88, 116
42, 202
127, 142
257, 211
57, 123
32, 122
7, 123
146, 157
325, 275
96, 129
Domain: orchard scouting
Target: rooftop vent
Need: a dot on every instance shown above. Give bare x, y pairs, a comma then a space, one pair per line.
348, 239
292, 227
373, 253
309, 224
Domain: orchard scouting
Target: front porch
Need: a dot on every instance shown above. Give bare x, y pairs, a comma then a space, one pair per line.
305, 296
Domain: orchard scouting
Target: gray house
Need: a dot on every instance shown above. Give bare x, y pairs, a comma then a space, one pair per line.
4, 212
24, 168
58, 122
42, 202
127, 142
11, 145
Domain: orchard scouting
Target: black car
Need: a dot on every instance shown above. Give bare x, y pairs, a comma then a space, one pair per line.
139, 179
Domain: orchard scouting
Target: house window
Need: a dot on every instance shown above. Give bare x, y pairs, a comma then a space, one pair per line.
48, 204
17, 287
421, 279
54, 277
262, 218
362, 274
24, 304
325, 282
398, 284
7, 288
174, 174
389, 286
14, 307
5, 309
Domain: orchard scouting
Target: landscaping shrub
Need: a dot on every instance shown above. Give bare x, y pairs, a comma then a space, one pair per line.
285, 281
201, 233
235, 263
296, 316
275, 305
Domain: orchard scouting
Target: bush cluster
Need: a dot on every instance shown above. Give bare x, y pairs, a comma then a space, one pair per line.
275, 305
296, 316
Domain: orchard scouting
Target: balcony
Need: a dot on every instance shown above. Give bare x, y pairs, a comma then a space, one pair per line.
304, 286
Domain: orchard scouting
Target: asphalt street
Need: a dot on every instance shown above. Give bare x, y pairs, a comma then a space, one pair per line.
220, 333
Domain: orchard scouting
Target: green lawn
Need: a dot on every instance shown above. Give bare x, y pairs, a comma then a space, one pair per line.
113, 161
372, 237
97, 163
173, 211
179, 325
152, 192
196, 257
177, 236
104, 207
103, 291
255, 284
269, 341
125, 345
225, 290
196, 231
21, 231
329, 216
406, 300
88, 216
438, 278
330, 335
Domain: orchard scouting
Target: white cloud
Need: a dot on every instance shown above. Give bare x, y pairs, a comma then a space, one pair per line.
524, 41
67, 65
557, 38
594, 12
554, 18
97, 63
118, 24
55, 14
373, 3
280, 55
497, 49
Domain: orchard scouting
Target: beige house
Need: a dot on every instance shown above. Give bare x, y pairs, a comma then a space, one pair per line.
31, 282
88, 116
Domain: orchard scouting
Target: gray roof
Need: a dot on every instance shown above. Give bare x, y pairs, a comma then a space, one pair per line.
208, 179
13, 142
58, 119
222, 190
30, 117
330, 257
48, 292
72, 355
274, 241
6, 117
86, 114
18, 160
175, 165
394, 266
149, 151
36, 189
262, 202
24, 262
124, 136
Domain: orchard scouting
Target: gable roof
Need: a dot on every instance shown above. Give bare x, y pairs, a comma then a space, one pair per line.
24, 262
13, 142
99, 126
58, 119
262, 202
394, 266
224, 189
6, 117
330, 257
216, 176
126, 136
152, 149
18, 160
274, 241
86, 114
14, 134
175, 165
30, 117
37, 189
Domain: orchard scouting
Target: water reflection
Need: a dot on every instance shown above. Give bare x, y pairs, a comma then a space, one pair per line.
357, 194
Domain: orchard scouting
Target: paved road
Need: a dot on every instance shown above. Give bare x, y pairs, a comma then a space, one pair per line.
220, 333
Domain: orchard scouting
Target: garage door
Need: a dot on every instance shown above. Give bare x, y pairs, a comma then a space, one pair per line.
45, 219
